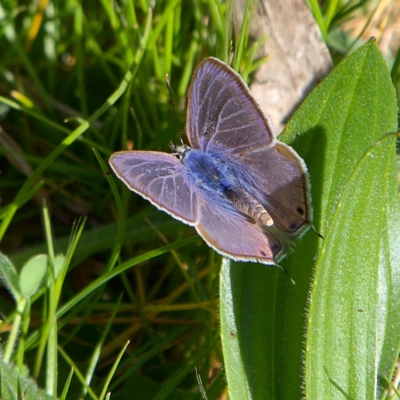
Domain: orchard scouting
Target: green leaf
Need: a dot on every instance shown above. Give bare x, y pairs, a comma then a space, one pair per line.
353, 319
32, 274
11, 379
58, 264
353, 286
247, 329
10, 276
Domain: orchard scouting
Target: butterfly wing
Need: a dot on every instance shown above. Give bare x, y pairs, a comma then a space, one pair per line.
233, 235
225, 121
159, 178
277, 177
163, 180
223, 117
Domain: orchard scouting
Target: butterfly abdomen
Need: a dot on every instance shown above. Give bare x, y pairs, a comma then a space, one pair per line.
249, 206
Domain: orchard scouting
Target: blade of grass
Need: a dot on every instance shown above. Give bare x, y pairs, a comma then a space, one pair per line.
77, 372
67, 385
112, 371
115, 272
78, 131
121, 217
319, 18
51, 320
177, 378
228, 30
97, 350
155, 34
243, 36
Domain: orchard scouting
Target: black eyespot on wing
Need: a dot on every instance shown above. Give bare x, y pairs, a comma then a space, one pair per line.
262, 253
275, 247
300, 210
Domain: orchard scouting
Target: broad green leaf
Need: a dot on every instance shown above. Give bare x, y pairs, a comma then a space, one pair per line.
247, 329
32, 274
10, 276
340, 132
349, 311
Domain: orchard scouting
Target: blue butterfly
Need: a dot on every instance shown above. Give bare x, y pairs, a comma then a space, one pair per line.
245, 192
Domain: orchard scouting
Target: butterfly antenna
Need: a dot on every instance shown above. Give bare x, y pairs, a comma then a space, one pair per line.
315, 231
287, 273
172, 104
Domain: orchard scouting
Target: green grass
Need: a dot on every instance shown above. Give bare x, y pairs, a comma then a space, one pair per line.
104, 293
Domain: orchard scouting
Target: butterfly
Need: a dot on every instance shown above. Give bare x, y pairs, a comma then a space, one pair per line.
245, 192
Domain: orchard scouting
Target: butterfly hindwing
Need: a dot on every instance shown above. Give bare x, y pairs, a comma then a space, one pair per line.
233, 235
276, 176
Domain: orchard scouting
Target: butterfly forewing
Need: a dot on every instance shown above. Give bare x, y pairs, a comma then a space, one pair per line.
223, 117
160, 178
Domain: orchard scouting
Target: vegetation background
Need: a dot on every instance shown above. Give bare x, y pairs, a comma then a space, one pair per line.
102, 292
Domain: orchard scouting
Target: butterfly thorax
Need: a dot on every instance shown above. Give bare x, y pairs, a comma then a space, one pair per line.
208, 172
212, 174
